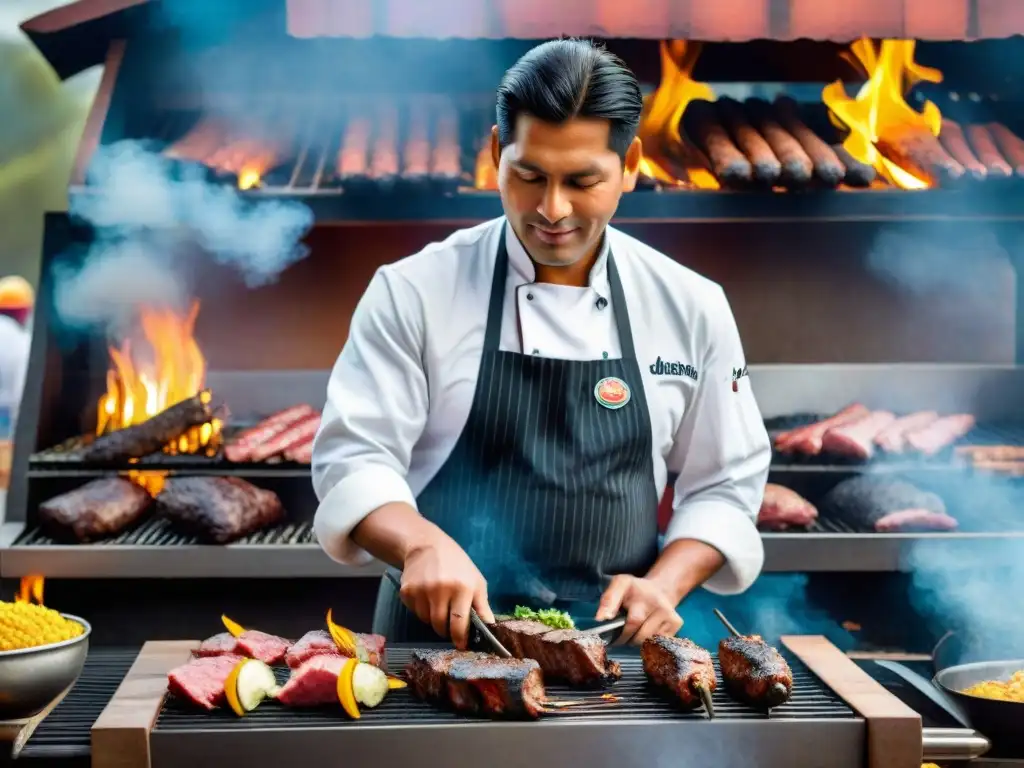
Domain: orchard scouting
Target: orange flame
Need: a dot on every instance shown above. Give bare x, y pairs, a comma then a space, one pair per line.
170, 369
248, 178
880, 106
31, 589
485, 175
663, 110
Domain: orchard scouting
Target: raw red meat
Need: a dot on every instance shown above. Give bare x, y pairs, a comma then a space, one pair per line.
319, 643
893, 439
314, 683
808, 439
241, 447
252, 644
856, 439
201, 681
783, 508
218, 645
941, 433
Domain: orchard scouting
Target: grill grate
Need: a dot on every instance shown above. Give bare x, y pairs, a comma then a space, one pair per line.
159, 533
637, 700
65, 733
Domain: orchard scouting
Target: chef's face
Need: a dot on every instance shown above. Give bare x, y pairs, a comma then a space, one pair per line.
560, 185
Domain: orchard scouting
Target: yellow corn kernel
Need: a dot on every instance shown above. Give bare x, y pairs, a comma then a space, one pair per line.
26, 625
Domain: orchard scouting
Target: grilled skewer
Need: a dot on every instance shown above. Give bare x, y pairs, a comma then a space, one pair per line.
753, 671
683, 667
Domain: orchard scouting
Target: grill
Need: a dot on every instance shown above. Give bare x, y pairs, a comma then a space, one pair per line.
64, 733
157, 533
640, 715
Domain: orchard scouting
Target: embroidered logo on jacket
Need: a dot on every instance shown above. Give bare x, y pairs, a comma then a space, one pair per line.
737, 374
612, 392
660, 368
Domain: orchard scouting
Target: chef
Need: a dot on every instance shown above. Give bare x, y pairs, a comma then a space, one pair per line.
512, 401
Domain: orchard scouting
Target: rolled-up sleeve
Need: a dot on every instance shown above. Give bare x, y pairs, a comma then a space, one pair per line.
723, 454
375, 412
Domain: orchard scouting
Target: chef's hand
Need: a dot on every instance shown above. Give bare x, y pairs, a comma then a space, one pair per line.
649, 609
440, 584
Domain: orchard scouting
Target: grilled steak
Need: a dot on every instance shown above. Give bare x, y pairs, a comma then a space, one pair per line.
893, 439
563, 654
153, 434
783, 508
242, 446
313, 683
97, 509
478, 683
319, 643
218, 509
201, 681
856, 439
253, 644
883, 504
754, 672
681, 666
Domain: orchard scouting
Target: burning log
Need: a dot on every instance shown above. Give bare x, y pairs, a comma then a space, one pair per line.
828, 168
152, 435
1011, 146
416, 152
446, 160
857, 174
767, 168
917, 150
953, 140
797, 166
730, 166
984, 146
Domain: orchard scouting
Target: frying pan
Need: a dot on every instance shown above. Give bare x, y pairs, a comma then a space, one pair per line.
1000, 721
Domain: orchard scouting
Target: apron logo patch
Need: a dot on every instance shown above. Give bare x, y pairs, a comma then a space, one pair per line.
737, 374
660, 368
612, 392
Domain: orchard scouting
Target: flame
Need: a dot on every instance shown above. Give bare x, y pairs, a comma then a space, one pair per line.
880, 106
485, 175
248, 178
31, 589
170, 369
663, 110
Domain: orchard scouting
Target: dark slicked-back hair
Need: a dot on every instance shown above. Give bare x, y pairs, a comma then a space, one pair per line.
563, 79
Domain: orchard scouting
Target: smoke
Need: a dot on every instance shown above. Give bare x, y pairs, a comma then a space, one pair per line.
148, 215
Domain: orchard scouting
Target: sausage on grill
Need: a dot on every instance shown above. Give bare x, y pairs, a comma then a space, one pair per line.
242, 446
754, 672
953, 139
767, 167
797, 166
1010, 145
704, 129
828, 168
681, 666
858, 174
984, 146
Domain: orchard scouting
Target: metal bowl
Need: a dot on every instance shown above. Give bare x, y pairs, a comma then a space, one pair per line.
30, 678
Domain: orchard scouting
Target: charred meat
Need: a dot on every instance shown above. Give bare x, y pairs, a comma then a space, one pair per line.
563, 654
884, 504
218, 509
681, 666
478, 683
98, 509
754, 672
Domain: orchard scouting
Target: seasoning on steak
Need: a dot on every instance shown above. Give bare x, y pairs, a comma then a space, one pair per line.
313, 683
95, 510
754, 672
318, 642
218, 509
563, 654
884, 504
681, 666
253, 644
153, 434
783, 508
478, 683
201, 681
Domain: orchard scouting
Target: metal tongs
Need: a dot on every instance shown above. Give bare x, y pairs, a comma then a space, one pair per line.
478, 624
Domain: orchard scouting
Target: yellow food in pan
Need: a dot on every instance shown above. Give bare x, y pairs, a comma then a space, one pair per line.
1011, 690
26, 625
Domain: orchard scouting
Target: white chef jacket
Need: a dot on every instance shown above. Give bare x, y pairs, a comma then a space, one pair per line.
401, 390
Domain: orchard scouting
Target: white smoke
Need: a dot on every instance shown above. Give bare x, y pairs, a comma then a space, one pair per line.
146, 211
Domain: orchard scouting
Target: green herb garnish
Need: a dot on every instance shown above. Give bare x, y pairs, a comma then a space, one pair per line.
551, 617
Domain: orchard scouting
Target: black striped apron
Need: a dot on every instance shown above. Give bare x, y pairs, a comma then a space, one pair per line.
550, 486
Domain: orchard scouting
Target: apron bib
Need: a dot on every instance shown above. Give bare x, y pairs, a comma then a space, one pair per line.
550, 486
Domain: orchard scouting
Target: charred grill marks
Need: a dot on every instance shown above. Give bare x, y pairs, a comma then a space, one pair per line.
682, 667
563, 654
754, 672
478, 683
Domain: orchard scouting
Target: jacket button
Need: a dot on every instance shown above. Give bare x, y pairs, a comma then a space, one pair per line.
529, 297
602, 303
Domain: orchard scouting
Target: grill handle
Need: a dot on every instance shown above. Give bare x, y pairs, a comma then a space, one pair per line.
938, 744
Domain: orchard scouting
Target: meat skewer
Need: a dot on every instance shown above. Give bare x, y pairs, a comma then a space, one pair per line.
152, 435
916, 150
858, 174
797, 166
753, 671
984, 146
683, 667
767, 168
952, 138
855, 439
729, 165
828, 168
1010, 145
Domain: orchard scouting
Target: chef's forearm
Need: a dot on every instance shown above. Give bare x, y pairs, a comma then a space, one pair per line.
683, 566
392, 531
